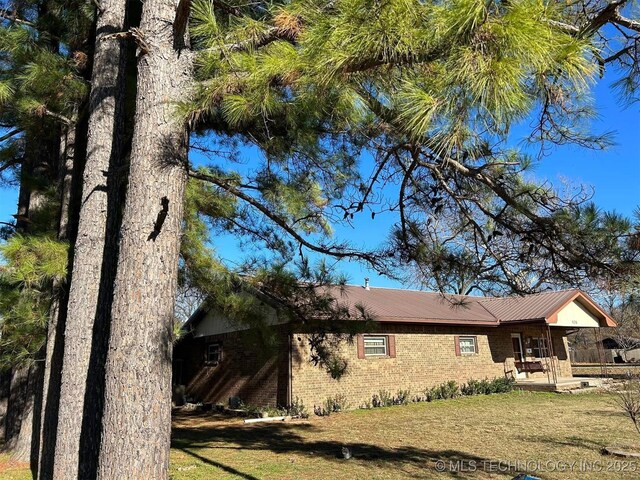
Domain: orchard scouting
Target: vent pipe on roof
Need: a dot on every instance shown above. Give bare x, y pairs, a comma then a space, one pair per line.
366, 283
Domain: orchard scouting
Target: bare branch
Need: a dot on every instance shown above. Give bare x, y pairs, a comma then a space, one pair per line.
626, 22
11, 16
57, 116
10, 134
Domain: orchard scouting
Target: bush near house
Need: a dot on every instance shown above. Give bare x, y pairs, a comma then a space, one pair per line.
444, 391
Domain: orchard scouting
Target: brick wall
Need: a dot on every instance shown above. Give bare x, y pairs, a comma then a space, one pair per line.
425, 356
246, 369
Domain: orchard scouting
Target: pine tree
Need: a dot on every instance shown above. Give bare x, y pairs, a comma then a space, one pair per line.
431, 93
429, 90
432, 89
41, 45
95, 251
146, 278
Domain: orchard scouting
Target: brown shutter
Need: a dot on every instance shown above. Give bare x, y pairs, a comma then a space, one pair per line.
456, 339
392, 346
360, 343
476, 344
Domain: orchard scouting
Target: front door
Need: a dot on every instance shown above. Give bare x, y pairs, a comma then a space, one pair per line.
518, 355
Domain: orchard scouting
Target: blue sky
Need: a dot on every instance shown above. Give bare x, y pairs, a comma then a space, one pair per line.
613, 174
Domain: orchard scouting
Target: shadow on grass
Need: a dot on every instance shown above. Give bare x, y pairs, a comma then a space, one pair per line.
282, 438
609, 413
219, 465
572, 441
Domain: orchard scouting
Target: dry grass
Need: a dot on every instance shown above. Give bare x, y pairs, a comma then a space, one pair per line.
12, 470
405, 441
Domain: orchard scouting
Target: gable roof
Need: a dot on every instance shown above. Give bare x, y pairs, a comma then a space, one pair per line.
395, 305
417, 306
537, 306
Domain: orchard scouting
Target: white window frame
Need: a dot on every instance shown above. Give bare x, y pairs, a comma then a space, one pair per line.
218, 351
385, 345
474, 339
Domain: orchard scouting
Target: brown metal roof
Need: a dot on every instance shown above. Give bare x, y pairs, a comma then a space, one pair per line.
537, 306
394, 305
413, 306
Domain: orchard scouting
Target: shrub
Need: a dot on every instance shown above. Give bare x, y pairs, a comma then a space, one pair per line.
443, 391
503, 384
382, 399
385, 398
487, 387
337, 403
403, 397
298, 409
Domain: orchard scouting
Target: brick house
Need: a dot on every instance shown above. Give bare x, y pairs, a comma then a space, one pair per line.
420, 339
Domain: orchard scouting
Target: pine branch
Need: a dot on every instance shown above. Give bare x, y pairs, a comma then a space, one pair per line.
8, 224
228, 9
610, 13
334, 251
605, 15
57, 116
9, 164
11, 16
618, 54
271, 35
12, 133
626, 22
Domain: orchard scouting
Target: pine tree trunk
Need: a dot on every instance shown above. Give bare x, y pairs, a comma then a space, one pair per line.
137, 411
5, 388
23, 420
78, 429
57, 316
21, 432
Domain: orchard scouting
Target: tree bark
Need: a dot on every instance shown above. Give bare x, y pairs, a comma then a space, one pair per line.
22, 427
78, 429
137, 411
52, 375
5, 388
35, 216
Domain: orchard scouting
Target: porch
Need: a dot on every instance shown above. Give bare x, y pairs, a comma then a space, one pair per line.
561, 384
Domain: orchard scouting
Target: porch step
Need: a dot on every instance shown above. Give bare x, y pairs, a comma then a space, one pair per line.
568, 385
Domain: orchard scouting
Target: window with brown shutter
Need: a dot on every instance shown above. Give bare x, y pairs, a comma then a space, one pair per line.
360, 343
392, 345
376, 346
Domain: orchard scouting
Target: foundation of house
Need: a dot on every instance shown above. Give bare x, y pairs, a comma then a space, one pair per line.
563, 384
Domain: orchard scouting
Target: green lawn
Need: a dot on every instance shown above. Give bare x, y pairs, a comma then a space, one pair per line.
534, 429
474, 433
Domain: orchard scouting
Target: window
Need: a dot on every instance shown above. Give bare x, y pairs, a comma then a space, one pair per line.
375, 346
468, 345
539, 347
214, 353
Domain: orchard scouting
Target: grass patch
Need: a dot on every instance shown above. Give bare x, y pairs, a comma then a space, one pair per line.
407, 441
12, 470
404, 441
